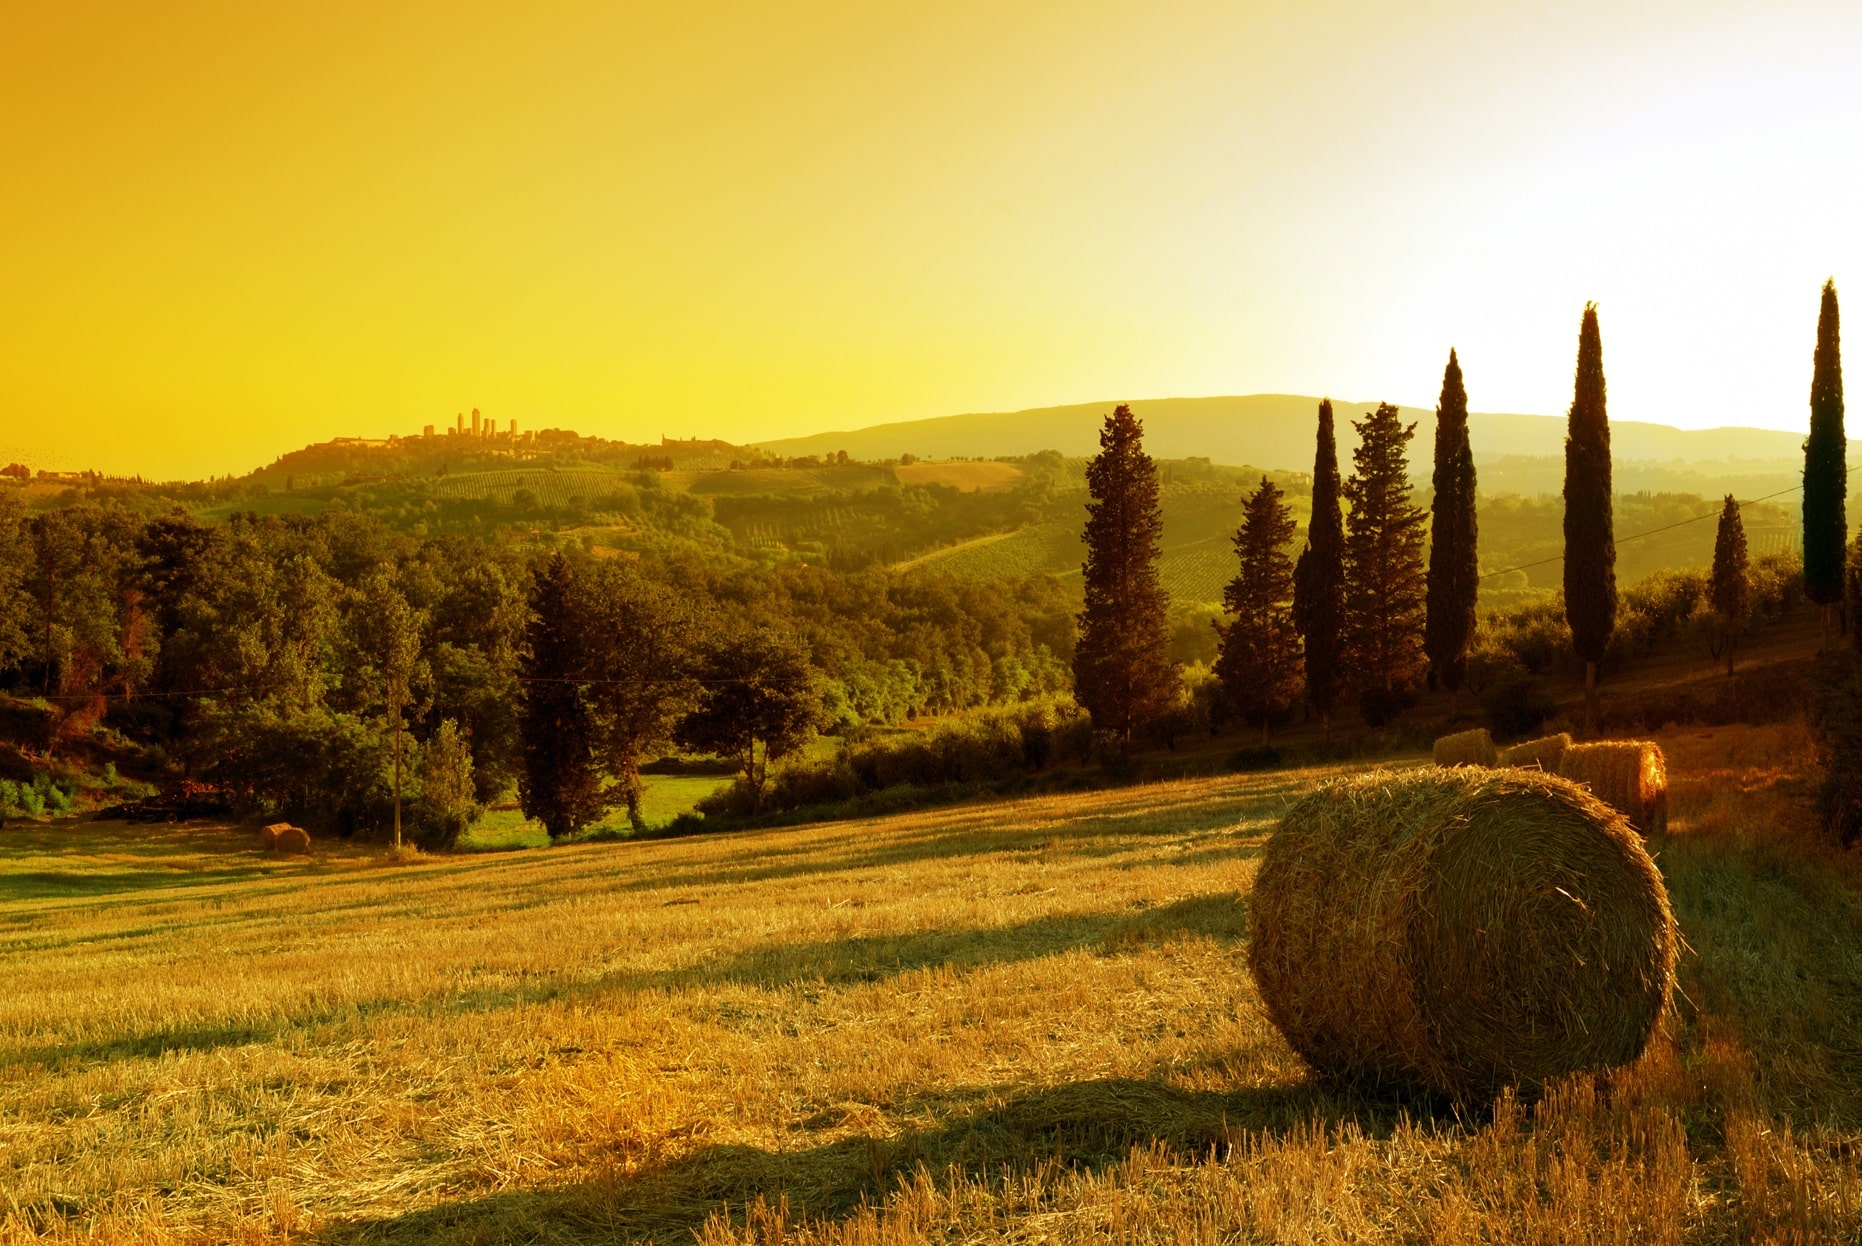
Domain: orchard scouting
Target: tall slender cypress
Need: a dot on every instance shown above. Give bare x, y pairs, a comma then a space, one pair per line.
1122, 672
1732, 585
1454, 563
1590, 536
1319, 579
1826, 468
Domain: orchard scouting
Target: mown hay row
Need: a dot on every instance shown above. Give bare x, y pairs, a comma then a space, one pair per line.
1629, 775
1544, 752
1467, 748
1461, 930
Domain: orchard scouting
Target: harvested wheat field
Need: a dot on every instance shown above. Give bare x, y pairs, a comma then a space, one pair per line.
1023, 1021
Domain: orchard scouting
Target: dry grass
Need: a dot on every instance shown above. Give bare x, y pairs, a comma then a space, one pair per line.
1467, 748
1017, 1022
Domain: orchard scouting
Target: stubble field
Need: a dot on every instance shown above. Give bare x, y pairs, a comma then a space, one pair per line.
1022, 1021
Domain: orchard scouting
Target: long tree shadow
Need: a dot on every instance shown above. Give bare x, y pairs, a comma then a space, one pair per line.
1082, 1126
833, 962
1097, 833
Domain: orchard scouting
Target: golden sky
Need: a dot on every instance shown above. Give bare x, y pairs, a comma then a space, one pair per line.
228, 230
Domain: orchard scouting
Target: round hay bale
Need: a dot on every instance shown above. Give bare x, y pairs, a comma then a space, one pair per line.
1543, 752
269, 836
1460, 930
289, 841
1467, 748
1629, 775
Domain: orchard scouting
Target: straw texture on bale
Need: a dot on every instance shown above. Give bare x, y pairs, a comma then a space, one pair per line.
1467, 748
1629, 775
1543, 752
286, 840
1460, 930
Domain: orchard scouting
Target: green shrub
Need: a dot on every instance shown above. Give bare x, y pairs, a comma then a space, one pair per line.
35, 797
1516, 707
990, 747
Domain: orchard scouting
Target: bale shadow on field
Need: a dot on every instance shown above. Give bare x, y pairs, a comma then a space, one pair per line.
1082, 1126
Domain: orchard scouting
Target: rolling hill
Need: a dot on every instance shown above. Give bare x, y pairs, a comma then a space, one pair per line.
1275, 430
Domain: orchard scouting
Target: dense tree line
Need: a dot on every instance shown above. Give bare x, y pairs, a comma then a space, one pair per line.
331, 670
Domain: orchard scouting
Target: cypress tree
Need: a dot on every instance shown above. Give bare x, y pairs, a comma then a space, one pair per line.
1319, 579
1826, 471
1454, 564
1590, 537
560, 785
1385, 607
1732, 586
1258, 659
1122, 672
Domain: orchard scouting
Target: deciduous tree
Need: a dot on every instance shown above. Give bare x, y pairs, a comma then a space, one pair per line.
391, 638
1122, 672
1259, 656
560, 785
760, 701
1590, 537
639, 636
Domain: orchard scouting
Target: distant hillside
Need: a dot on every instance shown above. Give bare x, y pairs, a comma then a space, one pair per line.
1275, 430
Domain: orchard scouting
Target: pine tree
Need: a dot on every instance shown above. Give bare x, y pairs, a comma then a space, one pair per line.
1122, 672
1826, 470
1454, 564
1590, 537
1318, 579
1732, 587
560, 785
1258, 659
1385, 594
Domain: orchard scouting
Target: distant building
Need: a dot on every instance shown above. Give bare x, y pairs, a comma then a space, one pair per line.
459, 424
477, 430
427, 431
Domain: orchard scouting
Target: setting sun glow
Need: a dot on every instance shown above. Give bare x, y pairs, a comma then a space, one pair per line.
230, 230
